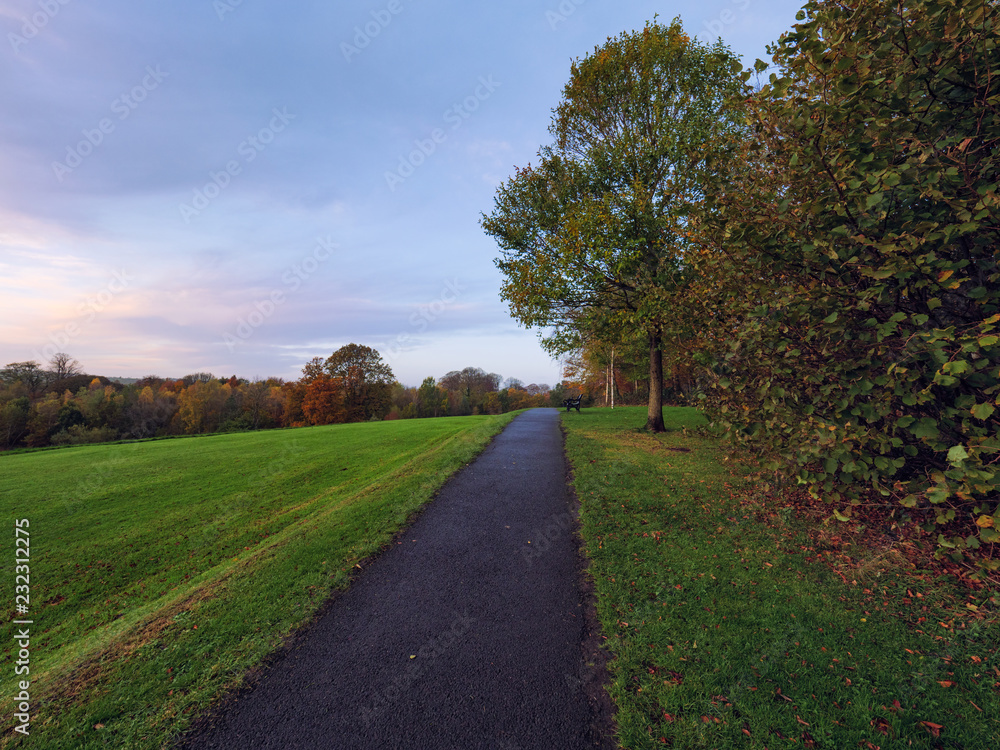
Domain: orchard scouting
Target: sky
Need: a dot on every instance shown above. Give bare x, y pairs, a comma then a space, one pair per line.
238, 186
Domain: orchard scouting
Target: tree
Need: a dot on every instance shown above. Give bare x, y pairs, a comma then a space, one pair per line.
513, 383
312, 369
471, 385
256, 398
197, 377
861, 305
44, 421
201, 405
432, 402
595, 236
69, 415
323, 402
14, 416
61, 365
366, 380
147, 408
30, 374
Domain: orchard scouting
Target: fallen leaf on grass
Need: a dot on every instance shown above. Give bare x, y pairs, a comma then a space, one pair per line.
946, 683
98, 726
881, 725
934, 729
803, 723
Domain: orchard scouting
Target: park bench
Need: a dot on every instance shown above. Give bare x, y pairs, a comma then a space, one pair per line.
569, 403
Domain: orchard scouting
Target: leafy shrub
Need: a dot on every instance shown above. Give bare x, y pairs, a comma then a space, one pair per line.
858, 321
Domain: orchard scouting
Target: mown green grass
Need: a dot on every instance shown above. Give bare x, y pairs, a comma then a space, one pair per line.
161, 572
729, 627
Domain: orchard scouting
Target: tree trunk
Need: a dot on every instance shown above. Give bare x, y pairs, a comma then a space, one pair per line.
654, 421
612, 377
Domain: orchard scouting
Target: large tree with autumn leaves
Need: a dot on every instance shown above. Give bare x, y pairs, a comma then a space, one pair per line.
352, 385
593, 237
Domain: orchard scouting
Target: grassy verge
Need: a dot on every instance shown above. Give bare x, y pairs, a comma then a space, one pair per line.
734, 624
161, 572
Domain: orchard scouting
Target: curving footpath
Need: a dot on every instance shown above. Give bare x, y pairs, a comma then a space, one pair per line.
462, 635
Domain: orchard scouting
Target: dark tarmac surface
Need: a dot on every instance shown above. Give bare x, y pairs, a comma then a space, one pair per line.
499, 628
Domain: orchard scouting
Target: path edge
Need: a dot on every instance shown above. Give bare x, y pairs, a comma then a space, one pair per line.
597, 676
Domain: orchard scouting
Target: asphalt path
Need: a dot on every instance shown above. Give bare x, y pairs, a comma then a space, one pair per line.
473, 630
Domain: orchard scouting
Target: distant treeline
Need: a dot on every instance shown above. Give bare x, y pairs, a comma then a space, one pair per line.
60, 405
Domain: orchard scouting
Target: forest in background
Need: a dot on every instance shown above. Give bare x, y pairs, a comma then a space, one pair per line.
61, 405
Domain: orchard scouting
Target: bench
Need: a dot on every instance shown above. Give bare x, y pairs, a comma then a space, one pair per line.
569, 403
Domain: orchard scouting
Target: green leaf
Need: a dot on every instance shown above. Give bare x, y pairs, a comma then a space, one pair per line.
926, 428
831, 318
989, 535
983, 411
938, 495
957, 454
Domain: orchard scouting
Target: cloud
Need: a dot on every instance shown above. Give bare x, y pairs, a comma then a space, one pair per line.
148, 106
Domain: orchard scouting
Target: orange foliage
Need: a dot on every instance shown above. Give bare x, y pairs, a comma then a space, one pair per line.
323, 402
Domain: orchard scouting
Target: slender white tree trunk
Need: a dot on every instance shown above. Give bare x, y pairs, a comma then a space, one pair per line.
612, 377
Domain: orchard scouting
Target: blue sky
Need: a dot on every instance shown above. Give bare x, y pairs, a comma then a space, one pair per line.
239, 186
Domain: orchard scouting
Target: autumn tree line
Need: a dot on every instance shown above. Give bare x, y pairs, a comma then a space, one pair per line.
60, 405
807, 249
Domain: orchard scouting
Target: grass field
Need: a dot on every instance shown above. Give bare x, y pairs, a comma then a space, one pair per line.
160, 572
735, 624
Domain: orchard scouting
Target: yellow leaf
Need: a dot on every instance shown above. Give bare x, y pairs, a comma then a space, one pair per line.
985, 522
